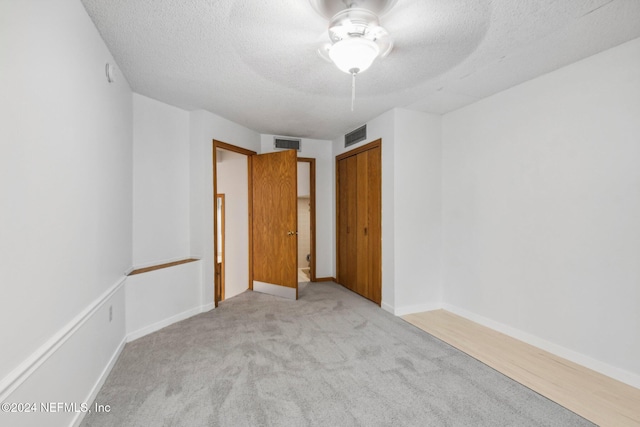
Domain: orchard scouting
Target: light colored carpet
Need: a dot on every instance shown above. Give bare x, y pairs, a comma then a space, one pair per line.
331, 358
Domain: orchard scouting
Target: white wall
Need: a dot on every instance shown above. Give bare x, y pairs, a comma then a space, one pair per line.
161, 297
541, 208
233, 182
160, 182
325, 200
161, 220
418, 211
304, 179
382, 127
203, 128
411, 208
66, 222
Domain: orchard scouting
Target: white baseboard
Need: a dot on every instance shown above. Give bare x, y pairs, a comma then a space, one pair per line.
418, 308
410, 309
387, 307
23, 371
169, 321
163, 324
571, 355
100, 382
207, 307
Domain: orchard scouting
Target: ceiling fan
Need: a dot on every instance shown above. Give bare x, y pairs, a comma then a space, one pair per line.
355, 34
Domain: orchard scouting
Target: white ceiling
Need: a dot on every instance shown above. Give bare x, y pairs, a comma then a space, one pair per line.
255, 62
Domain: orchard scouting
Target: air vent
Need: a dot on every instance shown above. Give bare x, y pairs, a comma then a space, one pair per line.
356, 136
286, 143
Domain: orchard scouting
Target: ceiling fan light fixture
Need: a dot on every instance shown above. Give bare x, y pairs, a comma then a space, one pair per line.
354, 55
356, 36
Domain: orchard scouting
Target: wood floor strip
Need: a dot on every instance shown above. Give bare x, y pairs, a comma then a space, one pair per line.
596, 397
159, 266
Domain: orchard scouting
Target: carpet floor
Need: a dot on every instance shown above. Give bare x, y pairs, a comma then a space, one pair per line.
331, 358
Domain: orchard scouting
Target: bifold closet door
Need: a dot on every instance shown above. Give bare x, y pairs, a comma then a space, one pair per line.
374, 221
347, 219
359, 223
362, 224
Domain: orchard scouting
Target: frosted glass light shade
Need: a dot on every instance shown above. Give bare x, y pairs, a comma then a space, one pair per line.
354, 55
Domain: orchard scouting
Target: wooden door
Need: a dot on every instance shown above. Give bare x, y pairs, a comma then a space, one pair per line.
347, 228
217, 284
359, 223
343, 225
374, 224
362, 224
351, 212
274, 223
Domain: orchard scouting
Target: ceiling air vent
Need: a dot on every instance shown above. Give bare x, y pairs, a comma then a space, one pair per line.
286, 143
356, 136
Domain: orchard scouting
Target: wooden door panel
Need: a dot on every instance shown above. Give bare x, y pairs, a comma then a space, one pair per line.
343, 263
217, 284
352, 215
362, 224
375, 225
359, 223
274, 219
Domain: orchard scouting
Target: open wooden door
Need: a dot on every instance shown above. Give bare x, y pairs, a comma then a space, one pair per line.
274, 223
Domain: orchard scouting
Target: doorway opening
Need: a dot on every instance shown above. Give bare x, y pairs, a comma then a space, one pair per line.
220, 245
306, 220
234, 221
232, 269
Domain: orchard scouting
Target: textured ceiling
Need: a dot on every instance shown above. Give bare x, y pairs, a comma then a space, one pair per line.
255, 62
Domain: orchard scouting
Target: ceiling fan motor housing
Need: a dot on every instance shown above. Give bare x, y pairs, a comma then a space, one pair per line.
355, 22
329, 8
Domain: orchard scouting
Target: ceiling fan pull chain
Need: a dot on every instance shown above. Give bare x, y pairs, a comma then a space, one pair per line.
353, 89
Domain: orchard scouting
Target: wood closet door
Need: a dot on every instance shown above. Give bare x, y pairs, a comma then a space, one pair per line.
341, 223
362, 225
359, 222
374, 220
347, 202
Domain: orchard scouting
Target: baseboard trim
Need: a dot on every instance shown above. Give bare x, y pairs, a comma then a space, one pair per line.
418, 308
571, 355
163, 323
22, 372
207, 307
100, 382
410, 309
387, 307
325, 279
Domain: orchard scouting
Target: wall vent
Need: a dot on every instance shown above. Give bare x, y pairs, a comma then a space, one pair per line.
356, 136
286, 143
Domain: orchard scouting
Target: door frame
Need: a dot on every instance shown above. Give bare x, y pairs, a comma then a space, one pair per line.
229, 147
